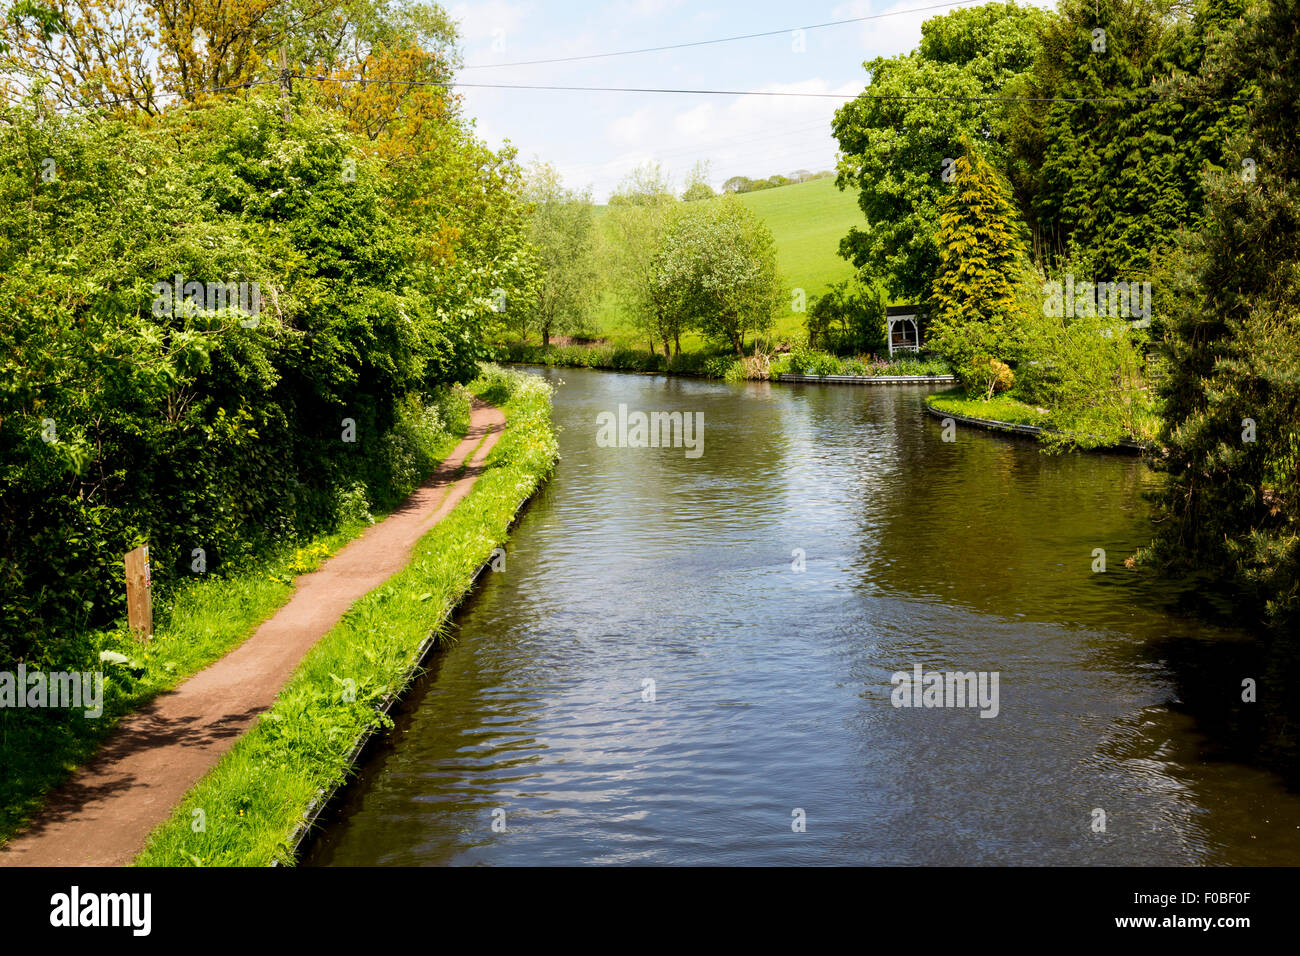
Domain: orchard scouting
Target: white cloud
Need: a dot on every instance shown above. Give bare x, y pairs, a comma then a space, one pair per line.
481, 22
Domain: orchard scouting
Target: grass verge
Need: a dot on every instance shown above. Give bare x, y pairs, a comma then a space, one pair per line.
1000, 408
252, 801
200, 622
1009, 410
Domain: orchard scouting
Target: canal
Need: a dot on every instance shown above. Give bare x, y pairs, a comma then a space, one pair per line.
688, 660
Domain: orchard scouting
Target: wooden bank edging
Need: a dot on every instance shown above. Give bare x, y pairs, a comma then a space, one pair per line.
864, 379
1125, 445
326, 798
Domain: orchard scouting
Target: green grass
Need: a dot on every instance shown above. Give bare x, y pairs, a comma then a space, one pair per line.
200, 623
257, 794
1056, 436
1000, 408
807, 220
802, 361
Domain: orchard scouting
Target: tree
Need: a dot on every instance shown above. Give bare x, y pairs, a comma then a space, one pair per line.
639, 215
718, 270
897, 138
848, 318
1230, 510
974, 306
561, 231
1110, 146
123, 56
697, 183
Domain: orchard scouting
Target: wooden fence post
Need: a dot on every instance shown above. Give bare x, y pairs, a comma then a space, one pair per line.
139, 598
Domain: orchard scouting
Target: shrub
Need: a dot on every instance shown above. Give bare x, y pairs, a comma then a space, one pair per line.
989, 376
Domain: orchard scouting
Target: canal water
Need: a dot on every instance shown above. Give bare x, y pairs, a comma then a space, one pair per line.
688, 660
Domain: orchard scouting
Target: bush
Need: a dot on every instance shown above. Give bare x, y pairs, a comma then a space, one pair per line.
847, 319
988, 376
123, 420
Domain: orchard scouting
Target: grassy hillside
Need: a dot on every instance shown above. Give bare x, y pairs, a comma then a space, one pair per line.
808, 220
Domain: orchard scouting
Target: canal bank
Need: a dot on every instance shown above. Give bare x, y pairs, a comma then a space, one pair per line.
253, 804
688, 657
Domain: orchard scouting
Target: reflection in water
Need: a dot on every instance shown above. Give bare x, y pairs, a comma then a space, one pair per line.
771, 686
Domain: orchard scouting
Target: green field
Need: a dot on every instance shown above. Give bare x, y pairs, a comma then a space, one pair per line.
808, 220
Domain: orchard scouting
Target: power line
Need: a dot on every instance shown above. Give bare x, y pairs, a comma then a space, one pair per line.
746, 36
883, 97
888, 97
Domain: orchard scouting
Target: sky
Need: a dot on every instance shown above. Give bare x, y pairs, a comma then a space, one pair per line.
597, 138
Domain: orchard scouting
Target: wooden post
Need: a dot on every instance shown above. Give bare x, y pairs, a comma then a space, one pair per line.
139, 599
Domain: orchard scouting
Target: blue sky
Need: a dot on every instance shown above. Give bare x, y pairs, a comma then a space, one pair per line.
597, 138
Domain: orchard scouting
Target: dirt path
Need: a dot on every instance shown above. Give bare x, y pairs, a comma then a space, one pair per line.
103, 815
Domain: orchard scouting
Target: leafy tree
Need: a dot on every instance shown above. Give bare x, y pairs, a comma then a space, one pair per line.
975, 312
718, 269
121, 421
123, 55
1109, 151
697, 184
561, 230
848, 318
895, 137
639, 216
1230, 510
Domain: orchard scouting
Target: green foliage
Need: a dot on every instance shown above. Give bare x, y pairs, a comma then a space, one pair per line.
258, 793
743, 184
848, 318
717, 271
1231, 506
915, 114
203, 428
561, 230
1095, 164
975, 311
197, 622
999, 408
638, 219
1089, 369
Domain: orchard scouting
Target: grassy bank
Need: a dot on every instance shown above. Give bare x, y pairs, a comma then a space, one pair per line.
717, 364
1000, 408
1010, 409
197, 623
255, 797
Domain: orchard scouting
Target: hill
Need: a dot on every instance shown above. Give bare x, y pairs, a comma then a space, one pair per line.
807, 220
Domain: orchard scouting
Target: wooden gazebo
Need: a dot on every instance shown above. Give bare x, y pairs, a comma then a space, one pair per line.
903, 324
